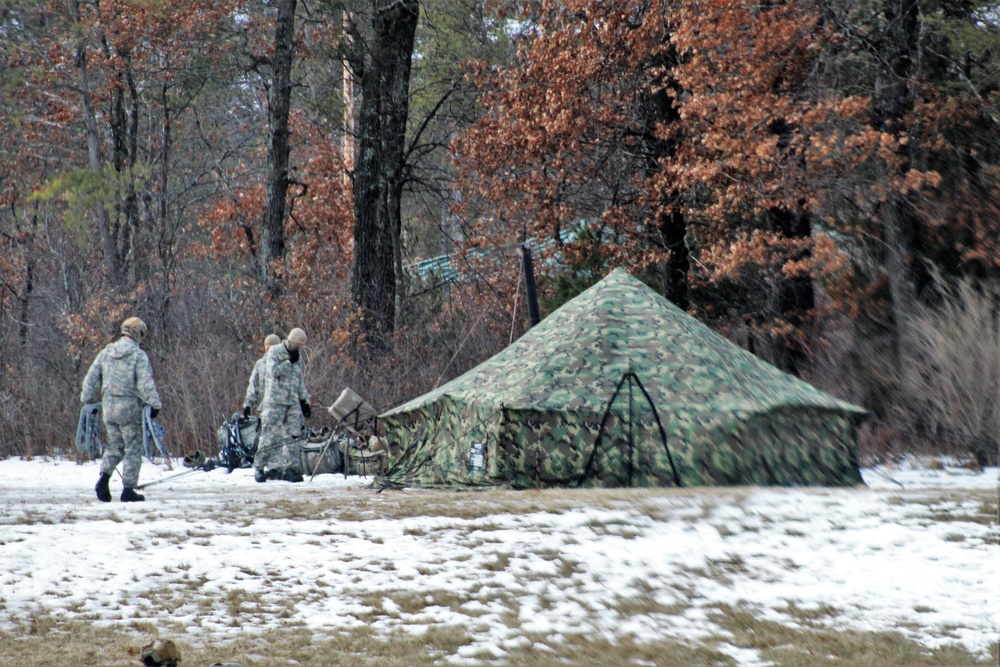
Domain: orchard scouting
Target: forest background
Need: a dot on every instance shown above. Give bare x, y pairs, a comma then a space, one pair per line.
819, 180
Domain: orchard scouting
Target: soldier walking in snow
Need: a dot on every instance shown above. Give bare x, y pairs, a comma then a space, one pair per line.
255, 388
285, 403
122, 379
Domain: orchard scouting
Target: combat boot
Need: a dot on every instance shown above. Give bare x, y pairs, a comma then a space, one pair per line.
103, 492
259, 475
130, 496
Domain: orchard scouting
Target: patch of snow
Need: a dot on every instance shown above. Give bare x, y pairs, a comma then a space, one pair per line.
872, 558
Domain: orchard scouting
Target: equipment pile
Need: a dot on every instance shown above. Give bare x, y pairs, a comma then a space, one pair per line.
355, 438
237, 440
352, 446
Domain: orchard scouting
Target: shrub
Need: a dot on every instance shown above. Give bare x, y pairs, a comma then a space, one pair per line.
949, 385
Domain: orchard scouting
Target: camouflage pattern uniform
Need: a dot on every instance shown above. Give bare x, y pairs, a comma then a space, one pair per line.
281, 413
619, 387
255, 388
122, 379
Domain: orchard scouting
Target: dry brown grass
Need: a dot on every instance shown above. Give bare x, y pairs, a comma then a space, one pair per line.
581, 649
481, 504
966, 505
46, 640
787, 644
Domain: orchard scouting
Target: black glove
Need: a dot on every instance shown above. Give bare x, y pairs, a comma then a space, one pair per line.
246, 410
306, 409
153, 412
293, 356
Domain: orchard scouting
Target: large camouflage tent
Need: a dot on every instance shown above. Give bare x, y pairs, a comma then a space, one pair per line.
619, 387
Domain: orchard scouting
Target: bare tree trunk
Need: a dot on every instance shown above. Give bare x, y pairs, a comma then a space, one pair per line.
108, 229
165, 237
377, 281
273, 227
657, 108
124, 124
140, 244
29, 285
795, 296
347, 81
893, 100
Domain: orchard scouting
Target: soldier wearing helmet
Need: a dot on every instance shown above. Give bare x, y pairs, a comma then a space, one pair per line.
285, 403
255, 388
121, 378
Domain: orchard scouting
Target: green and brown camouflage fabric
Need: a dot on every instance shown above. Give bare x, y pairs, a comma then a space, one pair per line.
121, 377
619, 387
255, 387
284, 388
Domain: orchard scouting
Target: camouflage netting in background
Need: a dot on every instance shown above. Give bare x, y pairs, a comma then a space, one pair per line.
619, 387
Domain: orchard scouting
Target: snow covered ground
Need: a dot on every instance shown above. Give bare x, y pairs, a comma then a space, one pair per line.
214, 556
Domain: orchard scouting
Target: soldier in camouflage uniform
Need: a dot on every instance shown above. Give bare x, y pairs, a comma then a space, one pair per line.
285, 403
255, 388
122, 379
